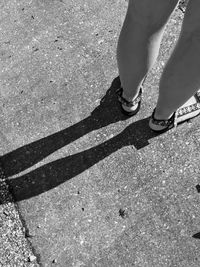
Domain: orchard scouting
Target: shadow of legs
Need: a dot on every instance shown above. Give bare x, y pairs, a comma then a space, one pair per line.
59, 171
24, 157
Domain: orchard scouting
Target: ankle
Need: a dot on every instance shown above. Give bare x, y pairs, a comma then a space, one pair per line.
162, 115
129, 97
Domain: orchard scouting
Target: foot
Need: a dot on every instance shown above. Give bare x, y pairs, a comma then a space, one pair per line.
131, 100
129, 106
187, 111
160, 123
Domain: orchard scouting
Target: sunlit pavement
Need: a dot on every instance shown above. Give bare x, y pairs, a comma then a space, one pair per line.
93, 188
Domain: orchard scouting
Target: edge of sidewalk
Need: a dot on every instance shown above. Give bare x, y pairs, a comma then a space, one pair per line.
15, 250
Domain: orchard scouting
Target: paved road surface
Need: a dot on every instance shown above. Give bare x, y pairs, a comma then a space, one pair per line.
92, 187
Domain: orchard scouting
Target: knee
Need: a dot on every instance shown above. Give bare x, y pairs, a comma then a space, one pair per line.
191, 30
191, 35
139, 12
146, 15
191, 22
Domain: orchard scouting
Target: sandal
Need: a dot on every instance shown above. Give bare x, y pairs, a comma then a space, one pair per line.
129, 108
184, 113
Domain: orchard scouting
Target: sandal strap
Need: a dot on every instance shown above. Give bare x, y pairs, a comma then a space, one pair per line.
180, 112
186, 110
127, 103
198, 95
164, 123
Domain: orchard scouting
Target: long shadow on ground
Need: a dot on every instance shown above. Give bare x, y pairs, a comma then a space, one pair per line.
52, 174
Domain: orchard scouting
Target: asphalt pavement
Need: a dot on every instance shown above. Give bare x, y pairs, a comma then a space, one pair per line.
81, 184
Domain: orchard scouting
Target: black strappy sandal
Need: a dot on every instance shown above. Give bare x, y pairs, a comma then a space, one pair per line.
183, 114
129, 104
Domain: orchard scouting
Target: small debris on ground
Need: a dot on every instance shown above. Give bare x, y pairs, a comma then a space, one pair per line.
123, 213
197, 235
31, 258
198, 188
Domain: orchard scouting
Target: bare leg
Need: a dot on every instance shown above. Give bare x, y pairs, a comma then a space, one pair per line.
139, 41
181, 76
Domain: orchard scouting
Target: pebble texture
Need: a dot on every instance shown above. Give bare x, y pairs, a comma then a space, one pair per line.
92, 187
14, 248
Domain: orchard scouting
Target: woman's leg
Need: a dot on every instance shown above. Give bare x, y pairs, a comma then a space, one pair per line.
139, 41
181, 76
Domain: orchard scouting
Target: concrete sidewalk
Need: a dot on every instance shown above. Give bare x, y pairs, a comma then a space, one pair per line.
91, 187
